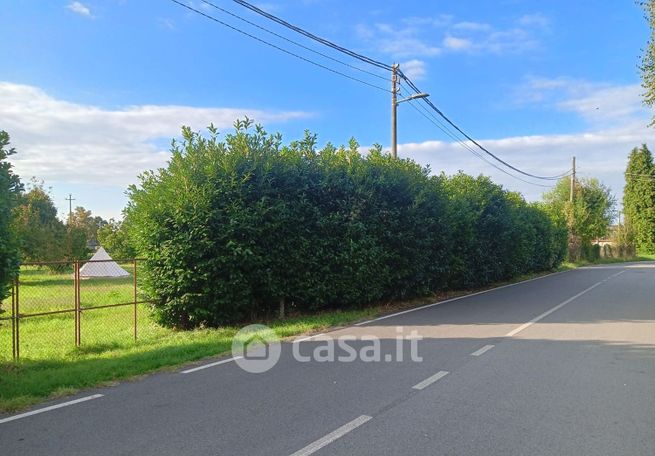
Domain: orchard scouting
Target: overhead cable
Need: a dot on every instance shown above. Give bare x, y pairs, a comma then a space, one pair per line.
236, 29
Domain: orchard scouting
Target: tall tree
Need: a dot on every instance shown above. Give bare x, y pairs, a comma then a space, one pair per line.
114, 237
41, 232
591, 213
639, 198
10, 190
86, 221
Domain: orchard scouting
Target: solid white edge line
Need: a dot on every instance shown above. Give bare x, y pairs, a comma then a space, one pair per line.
430, 380
470, 295
206, 366
332, 436
559, 306
483, 350
303, 339
52, 407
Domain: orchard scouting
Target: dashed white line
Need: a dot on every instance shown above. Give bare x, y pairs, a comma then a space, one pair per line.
483, 350
430, 380
206, 366
332, 436
52, 407
559, 306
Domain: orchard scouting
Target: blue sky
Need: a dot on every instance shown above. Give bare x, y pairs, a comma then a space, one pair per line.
93, 91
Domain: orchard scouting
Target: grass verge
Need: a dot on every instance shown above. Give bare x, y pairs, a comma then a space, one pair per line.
577, 264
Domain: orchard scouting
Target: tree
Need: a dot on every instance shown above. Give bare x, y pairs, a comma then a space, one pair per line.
43, 236
10, 190
639, 198
648, 58
114, 237
41, 232
84, 219
589, 216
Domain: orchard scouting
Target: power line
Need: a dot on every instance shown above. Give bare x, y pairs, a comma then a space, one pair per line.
280, 48
310, 35
450, 122
434, 120
236, 16
353, 54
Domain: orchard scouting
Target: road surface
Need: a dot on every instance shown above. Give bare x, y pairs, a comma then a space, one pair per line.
561, 365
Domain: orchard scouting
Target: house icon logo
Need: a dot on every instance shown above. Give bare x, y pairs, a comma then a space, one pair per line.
256, 348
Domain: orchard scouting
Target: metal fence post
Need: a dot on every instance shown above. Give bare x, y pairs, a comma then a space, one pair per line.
76, 284
135, 299
14, 354
17, 317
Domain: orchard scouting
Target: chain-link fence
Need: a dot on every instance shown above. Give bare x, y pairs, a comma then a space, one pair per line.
56, 307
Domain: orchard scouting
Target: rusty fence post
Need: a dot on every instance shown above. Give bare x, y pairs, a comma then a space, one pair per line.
135, 299
76, 285
15, 352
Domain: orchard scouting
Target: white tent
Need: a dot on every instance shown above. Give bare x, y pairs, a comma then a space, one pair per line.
105, 267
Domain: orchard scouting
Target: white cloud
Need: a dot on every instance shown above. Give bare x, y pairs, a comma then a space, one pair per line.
409, 47
398, 42
538, 20
79, 8
456, 44
414, 69
472, 26
599, 104
607, 105
65, 142
424, 37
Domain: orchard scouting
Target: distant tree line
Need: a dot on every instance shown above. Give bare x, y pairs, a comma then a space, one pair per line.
241, 228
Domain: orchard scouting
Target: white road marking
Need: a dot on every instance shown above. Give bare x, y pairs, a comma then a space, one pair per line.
52, 407
470, 295
430, 380
205, 366
483, 350
332, 436
303, 339
559, 306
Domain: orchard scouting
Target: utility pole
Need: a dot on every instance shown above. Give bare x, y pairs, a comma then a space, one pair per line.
70, 200
394, 107
572, 181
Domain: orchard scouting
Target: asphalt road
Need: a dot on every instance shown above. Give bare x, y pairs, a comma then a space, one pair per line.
561, 365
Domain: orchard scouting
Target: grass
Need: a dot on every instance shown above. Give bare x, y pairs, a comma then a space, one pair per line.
577, 264
51, 365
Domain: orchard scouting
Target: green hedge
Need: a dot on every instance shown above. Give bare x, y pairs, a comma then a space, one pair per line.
232, 228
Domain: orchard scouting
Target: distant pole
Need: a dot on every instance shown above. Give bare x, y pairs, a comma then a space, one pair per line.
572, 181
394, 107
70, 200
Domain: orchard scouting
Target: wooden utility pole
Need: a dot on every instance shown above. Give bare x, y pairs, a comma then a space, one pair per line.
70, 200
394, 108
572, 181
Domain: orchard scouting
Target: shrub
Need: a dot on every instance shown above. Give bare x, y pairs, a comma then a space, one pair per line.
233, 229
